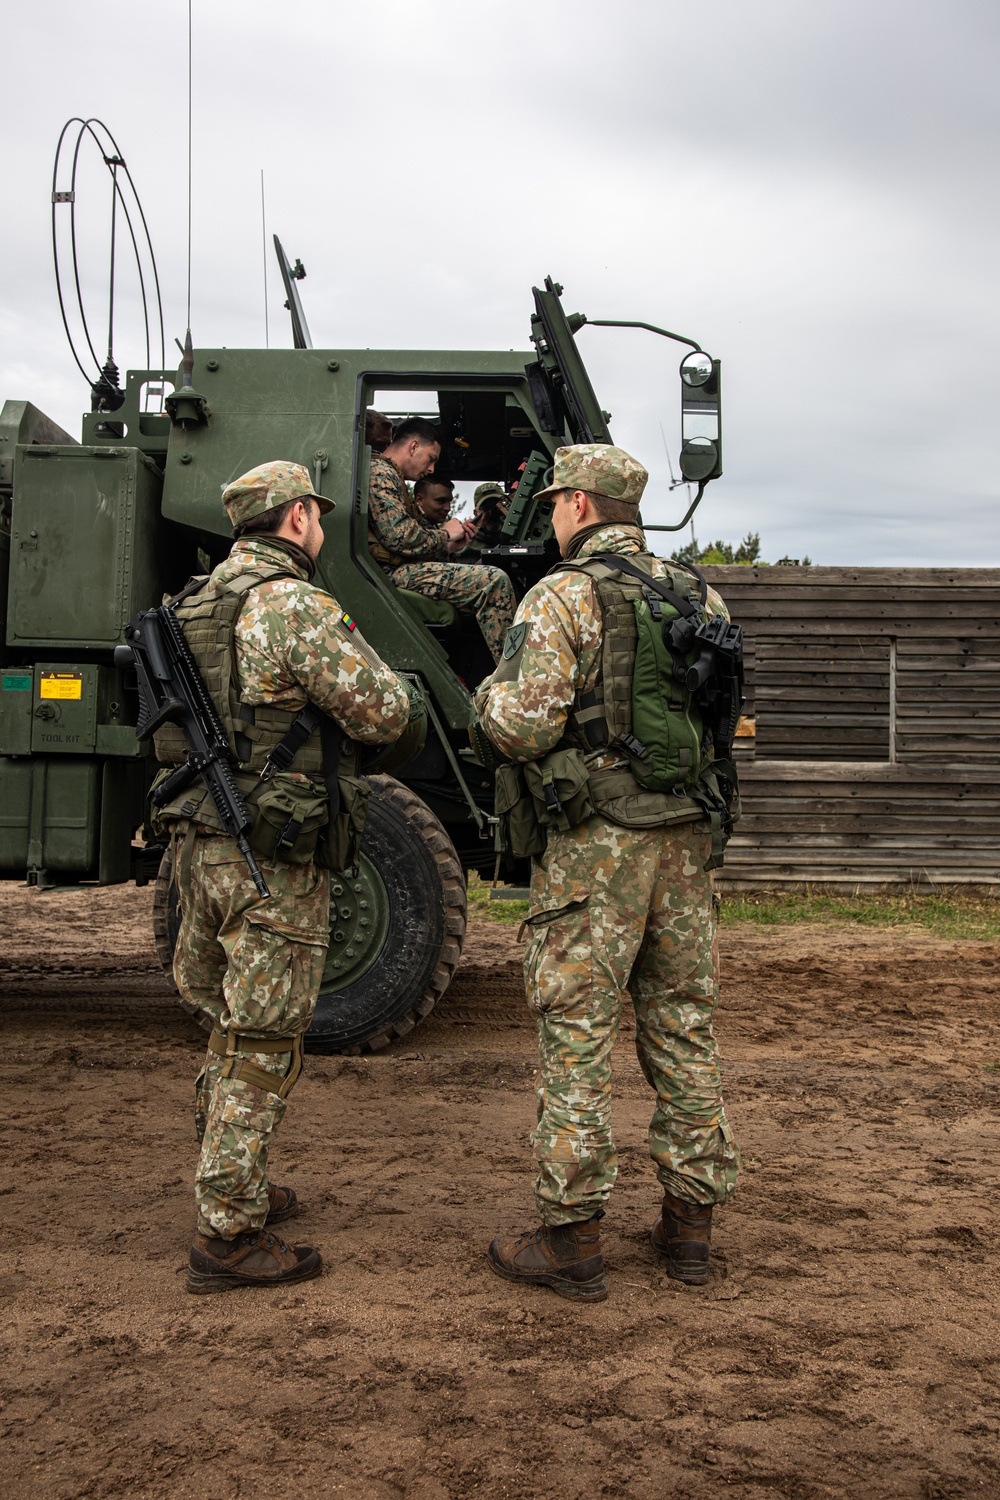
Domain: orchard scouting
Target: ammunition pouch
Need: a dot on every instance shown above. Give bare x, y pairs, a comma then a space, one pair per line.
290, 817
516, 811
553, 792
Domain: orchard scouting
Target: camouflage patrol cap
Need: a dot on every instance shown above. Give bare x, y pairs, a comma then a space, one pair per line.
484, 491
600, 469
267, 487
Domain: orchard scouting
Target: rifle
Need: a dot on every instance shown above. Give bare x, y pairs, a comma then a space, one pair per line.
171, 690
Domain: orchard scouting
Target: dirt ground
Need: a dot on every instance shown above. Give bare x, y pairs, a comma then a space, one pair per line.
846, 1345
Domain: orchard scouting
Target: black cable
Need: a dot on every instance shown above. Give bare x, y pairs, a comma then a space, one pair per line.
111, 278
55, 250
113, 158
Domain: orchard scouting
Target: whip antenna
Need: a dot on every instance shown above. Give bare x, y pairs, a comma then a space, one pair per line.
190, 52
263, 241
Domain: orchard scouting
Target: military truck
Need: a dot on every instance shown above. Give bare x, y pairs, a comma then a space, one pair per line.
93, 531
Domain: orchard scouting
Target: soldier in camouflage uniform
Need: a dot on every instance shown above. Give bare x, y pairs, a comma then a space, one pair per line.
611, 907
412, 553
254, 966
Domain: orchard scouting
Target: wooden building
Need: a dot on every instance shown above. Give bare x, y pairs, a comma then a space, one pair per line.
873, 711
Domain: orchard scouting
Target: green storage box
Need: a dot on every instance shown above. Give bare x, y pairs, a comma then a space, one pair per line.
86, 523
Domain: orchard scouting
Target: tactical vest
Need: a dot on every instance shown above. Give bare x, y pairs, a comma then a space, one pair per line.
285, 802
683, 782
381, 553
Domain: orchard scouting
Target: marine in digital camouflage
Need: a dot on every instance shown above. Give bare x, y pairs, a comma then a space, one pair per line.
255, 966
611, 909
488, 592
491, 490
397, 527
403, 540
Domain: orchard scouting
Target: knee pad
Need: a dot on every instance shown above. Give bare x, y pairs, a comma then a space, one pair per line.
229, 1044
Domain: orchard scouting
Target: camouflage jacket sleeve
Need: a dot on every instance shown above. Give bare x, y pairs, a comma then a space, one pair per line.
294, 644
391, 521
526, 717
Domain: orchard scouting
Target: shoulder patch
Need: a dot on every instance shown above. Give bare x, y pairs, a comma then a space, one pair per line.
515, 640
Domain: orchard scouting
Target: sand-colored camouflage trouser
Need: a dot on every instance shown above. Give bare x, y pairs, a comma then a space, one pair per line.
487, 591
254, 966
611, 908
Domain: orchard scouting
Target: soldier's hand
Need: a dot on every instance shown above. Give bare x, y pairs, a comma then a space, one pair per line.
455, 532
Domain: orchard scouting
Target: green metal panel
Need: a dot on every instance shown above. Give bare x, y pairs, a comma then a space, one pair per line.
84, 545
49, 815
79, 708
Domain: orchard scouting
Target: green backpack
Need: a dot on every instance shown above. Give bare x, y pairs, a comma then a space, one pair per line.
670, 692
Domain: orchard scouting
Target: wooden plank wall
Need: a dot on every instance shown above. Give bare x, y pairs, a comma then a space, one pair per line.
875, 694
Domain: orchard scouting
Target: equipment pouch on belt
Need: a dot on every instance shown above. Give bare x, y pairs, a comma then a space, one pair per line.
553, 792
339, 844
516, 811
559, 786
291, 813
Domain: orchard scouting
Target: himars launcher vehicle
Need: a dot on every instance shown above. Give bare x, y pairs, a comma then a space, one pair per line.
93, 531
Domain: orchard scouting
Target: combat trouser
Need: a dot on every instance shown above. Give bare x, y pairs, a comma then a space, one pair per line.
615, 908
488, 592
255, 967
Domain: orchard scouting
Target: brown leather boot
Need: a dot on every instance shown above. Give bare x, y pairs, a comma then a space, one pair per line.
282, 1202
683, 1233
566, 1257
254, 1258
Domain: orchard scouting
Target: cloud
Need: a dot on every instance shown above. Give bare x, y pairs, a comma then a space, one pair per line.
800, 188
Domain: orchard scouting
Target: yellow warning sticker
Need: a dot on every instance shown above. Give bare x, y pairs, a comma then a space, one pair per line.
61, 685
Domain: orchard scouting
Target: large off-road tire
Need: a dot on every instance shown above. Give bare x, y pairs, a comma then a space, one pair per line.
396, 927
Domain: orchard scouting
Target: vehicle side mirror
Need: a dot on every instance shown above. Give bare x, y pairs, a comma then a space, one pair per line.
701, 417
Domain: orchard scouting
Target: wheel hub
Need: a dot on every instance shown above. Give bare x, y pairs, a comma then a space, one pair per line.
359, 922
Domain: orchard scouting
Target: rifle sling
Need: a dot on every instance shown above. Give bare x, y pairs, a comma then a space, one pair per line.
329, 738
291, 742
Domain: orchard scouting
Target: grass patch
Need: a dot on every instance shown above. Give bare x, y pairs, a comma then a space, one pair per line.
947, 915
951, 914
480, 904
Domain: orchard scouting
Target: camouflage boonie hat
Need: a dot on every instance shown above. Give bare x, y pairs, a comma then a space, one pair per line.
267, 487
599, 468
484, 491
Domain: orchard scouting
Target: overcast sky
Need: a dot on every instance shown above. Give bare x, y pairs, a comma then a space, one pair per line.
807, 189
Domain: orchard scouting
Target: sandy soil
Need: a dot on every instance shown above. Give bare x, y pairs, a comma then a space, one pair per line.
847, 1344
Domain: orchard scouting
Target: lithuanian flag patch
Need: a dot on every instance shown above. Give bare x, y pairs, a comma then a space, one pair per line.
346, 620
